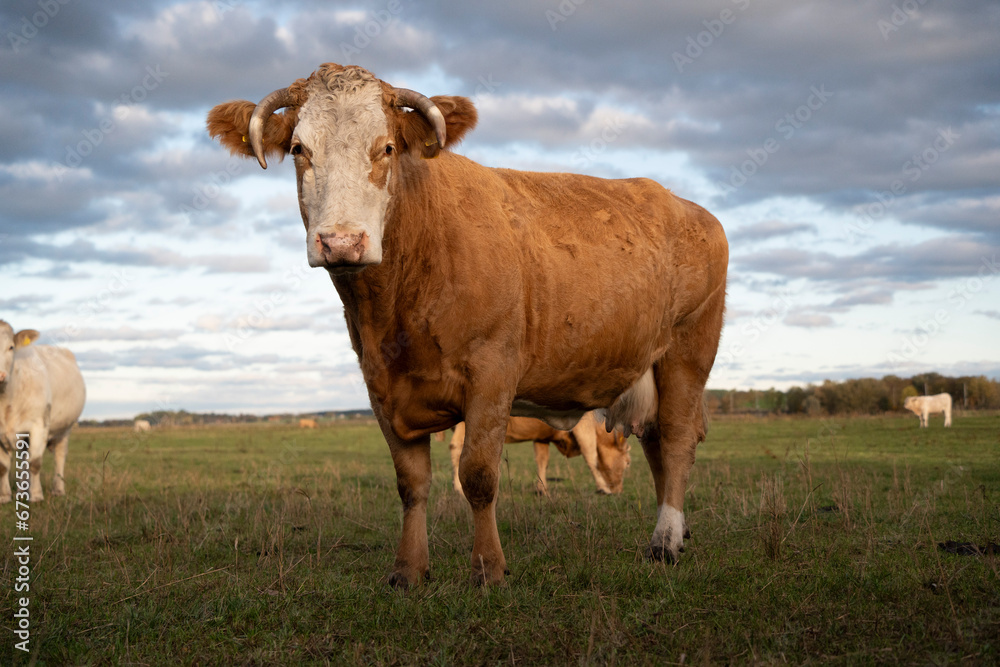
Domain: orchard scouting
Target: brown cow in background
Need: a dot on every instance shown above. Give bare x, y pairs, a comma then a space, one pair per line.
606, 454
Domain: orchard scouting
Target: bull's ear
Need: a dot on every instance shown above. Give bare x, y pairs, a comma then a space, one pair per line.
417, 134
229, 123
25, 337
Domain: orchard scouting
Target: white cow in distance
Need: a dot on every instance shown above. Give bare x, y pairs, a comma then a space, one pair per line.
141, 426
922, 406
41, 394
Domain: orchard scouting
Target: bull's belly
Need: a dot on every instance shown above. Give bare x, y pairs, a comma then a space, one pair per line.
563, 420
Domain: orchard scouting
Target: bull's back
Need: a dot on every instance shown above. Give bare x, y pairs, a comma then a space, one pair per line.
609, 267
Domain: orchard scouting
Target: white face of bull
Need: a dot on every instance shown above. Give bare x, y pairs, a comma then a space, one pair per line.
343, 157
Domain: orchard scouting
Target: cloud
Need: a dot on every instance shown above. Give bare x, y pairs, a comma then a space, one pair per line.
808, 320
992, 314
769, 229
24, 303
185, 357
946, 257
79, 335
878, 297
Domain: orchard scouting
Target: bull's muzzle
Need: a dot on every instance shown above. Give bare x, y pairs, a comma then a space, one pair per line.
343, 250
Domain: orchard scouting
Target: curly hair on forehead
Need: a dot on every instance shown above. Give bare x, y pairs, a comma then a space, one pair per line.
341, 79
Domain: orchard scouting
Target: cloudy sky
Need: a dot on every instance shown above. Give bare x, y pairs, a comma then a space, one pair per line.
851, 149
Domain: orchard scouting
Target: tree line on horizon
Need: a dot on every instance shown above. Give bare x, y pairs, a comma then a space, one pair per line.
857, 396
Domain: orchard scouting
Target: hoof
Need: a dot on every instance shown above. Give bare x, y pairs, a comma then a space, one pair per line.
479, 578
661, 554
398, 581
401, 582
57, 492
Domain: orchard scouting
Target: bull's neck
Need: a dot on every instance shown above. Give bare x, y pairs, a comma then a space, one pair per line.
415, 229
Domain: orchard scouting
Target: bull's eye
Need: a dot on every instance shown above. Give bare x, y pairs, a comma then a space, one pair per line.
296, 149
388, 149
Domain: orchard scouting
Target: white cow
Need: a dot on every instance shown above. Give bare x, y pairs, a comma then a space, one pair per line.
41, 394
141, 426
922, 406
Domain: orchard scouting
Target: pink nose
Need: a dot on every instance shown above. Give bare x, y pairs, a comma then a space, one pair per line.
338, 249
3, 376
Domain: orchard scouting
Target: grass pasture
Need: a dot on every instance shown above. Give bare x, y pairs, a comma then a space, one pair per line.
813, 541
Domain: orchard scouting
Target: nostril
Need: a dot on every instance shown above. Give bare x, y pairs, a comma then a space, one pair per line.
339, 248
331, 241
336, 241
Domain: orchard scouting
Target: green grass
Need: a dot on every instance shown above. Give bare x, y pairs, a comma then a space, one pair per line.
812, 542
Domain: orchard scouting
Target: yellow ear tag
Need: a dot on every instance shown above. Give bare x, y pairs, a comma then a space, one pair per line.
428, 144
244, 138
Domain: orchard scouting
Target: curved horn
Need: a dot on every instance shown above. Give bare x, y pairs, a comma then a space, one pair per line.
277, 100
414, 100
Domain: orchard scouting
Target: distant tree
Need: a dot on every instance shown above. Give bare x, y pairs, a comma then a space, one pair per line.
864, 396
773, 400
935, 383
983, 393
894, 385
795, 399
812, 406
713, 402
830, 395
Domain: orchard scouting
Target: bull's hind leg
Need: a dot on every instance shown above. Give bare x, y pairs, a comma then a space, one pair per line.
670, 444
59, 450
39, 439
479, 469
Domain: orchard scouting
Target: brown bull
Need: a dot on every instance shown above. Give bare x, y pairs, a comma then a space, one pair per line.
606, 454
476, 293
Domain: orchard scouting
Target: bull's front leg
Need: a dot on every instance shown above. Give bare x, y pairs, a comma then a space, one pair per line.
586, 437
542, 464
412, 460
479, 470
5, 457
